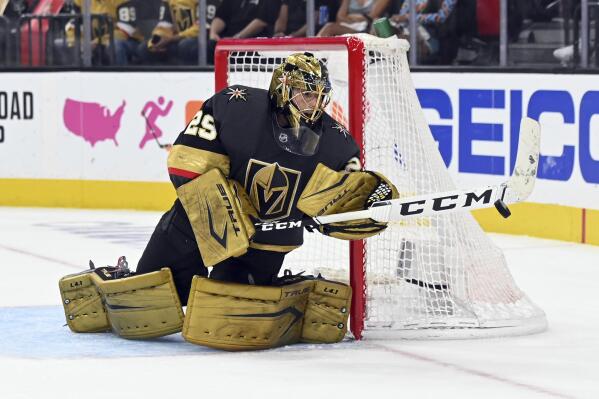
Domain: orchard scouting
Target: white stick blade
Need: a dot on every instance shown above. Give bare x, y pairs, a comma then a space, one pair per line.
522, 181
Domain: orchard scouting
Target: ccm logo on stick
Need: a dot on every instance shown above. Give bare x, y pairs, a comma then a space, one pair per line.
280, 225
444, 203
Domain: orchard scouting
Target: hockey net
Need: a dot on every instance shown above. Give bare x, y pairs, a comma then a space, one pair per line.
433, 277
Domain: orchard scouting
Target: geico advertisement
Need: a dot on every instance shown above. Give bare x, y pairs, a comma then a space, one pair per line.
475, 119
108, 126
95, 126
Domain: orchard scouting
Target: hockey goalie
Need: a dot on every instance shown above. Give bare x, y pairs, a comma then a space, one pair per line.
249, 156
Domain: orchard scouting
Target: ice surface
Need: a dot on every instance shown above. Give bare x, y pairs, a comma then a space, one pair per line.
41, 358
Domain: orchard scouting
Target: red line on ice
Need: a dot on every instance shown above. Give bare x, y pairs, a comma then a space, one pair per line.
43, 257
477, 373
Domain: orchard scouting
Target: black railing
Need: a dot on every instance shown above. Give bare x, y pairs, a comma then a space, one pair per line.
44, 41
593, 46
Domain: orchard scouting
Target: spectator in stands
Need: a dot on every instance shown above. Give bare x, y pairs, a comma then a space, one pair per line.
355, 16
211, 7
175, 38
15, 8
126, 34
292, 16
433, 19
65, 52
118, 14
243, 19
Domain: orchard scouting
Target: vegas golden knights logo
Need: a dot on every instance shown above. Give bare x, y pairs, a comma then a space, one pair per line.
183, 18
271, 188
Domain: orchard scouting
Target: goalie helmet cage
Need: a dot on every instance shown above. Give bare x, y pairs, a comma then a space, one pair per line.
425, 278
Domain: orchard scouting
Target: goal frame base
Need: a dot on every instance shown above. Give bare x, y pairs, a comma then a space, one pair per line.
508, 329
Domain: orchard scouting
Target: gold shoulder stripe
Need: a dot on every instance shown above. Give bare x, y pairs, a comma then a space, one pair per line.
196, 160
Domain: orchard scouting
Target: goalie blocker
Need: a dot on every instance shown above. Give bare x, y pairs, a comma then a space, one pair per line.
219, 213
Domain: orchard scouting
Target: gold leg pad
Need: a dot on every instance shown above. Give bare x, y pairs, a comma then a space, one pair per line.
238, 317
142, 306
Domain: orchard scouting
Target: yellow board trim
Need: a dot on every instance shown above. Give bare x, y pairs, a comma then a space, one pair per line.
94, 194
556, 222
592, 226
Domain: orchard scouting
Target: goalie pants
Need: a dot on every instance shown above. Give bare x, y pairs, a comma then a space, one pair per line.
173, 245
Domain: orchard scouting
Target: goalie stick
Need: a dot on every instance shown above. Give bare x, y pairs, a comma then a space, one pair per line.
517, 188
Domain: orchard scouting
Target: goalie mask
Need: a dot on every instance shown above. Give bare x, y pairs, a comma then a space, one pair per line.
299, 91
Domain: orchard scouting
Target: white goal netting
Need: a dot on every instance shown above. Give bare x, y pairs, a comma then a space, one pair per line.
430, 277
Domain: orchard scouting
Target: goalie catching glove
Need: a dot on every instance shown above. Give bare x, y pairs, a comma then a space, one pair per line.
219, 211
329, 192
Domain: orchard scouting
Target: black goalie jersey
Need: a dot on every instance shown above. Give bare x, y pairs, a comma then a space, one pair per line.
234, 132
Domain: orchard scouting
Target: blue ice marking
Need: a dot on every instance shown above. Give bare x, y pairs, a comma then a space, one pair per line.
39, 332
